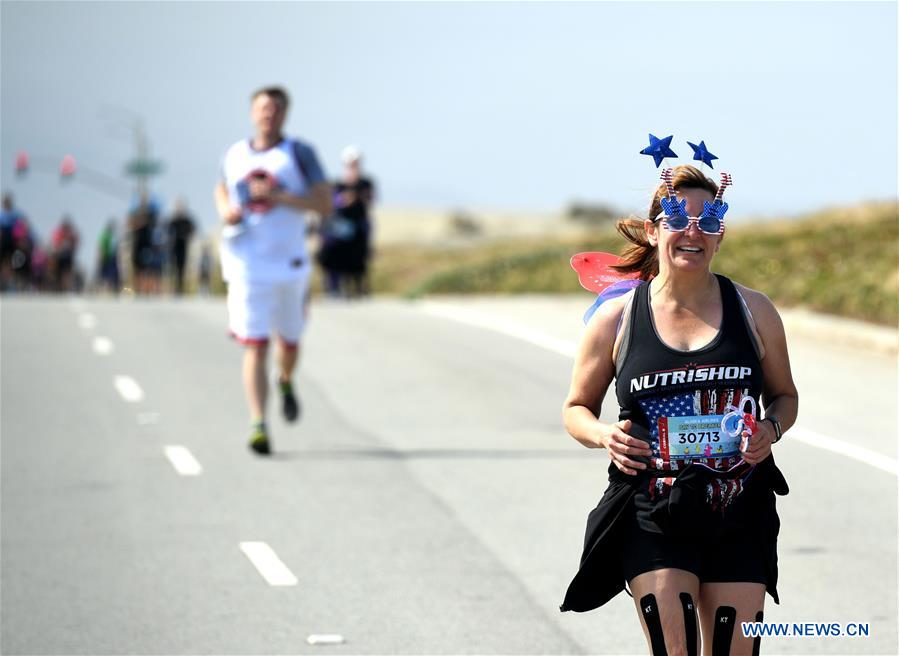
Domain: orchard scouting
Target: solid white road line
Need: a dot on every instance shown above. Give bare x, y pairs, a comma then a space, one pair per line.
102, 345
87, 321
128, 388
183, 460
267, 562
569, 349
854, 451
510, 328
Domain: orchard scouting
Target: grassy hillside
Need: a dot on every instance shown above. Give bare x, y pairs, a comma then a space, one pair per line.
842, 261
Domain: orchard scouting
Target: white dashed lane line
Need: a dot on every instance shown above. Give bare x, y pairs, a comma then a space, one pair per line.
183, 460
128, 388
266, 561
87, 321
148, 418
102, 345
325, 639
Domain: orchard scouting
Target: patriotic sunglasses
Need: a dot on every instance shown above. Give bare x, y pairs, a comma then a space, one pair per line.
674, 213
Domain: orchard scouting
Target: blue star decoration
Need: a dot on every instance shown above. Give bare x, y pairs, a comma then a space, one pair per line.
659, 149
702, 153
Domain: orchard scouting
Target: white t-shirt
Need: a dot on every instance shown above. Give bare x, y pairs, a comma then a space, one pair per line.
269, 245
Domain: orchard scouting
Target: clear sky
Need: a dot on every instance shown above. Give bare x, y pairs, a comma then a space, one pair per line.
482, 105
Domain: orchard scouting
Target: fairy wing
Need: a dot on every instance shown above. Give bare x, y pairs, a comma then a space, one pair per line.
595, 272
612, 291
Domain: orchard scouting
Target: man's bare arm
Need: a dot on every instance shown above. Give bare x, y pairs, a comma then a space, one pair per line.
227, 212
318, 199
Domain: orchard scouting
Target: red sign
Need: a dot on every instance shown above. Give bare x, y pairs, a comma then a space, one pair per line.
21, 161
67, 166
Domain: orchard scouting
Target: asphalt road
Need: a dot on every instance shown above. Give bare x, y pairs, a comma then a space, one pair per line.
428, 502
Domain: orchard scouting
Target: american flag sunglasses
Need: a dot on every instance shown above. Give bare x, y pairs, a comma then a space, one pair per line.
710, 225
674, 215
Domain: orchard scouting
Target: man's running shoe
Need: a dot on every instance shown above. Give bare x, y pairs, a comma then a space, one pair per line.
290, 404
259, 440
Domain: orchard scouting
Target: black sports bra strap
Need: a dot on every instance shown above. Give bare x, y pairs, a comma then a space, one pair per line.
626, 339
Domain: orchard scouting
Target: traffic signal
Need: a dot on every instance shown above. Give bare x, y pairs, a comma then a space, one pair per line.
67, 167
22, 163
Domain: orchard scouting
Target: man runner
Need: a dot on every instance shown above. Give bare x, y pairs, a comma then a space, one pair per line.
268, 183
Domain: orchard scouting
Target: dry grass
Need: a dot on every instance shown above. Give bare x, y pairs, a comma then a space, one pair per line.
842, 261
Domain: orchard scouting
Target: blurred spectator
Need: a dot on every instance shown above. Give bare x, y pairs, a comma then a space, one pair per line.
158, 263
346, 235
23, 244
9, 217
145, 261
64, 244
181, 229
40, 269
108, 259
204, 274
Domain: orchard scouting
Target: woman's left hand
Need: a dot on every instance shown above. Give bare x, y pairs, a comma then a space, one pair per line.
759, 443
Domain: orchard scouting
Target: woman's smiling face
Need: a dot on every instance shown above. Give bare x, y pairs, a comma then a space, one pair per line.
690, 249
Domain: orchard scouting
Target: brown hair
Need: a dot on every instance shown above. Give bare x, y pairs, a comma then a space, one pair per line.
642, 257
278, 94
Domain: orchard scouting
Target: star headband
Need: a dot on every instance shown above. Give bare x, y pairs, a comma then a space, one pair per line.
659, 150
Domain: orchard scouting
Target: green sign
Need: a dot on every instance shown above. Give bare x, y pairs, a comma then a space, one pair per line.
143, 167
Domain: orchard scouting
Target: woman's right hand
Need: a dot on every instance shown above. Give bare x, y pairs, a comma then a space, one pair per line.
621, 446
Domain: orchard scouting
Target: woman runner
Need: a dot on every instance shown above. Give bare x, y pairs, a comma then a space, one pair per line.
688, 521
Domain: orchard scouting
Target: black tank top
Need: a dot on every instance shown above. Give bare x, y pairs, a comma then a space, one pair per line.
675, 399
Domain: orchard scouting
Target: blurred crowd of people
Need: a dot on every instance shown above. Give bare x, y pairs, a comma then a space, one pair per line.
27, 263
157, 249
148, 251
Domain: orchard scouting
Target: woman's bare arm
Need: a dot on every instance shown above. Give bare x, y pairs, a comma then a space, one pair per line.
594, 370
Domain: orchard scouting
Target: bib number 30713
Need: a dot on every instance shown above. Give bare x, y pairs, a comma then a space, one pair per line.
695, 437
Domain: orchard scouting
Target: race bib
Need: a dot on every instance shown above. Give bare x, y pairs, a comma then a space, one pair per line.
695, 437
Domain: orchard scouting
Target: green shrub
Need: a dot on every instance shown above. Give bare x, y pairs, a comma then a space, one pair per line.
840, 261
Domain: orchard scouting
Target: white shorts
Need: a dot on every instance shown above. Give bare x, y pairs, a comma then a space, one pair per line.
257, 309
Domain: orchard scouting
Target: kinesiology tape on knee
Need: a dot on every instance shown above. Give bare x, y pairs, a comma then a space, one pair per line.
725, 617
757, 642
650, 610
689, 622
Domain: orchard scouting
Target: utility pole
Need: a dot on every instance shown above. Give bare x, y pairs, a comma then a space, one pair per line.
141, 167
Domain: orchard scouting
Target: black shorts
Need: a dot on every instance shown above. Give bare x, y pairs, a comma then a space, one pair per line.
727, 553
64, 261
